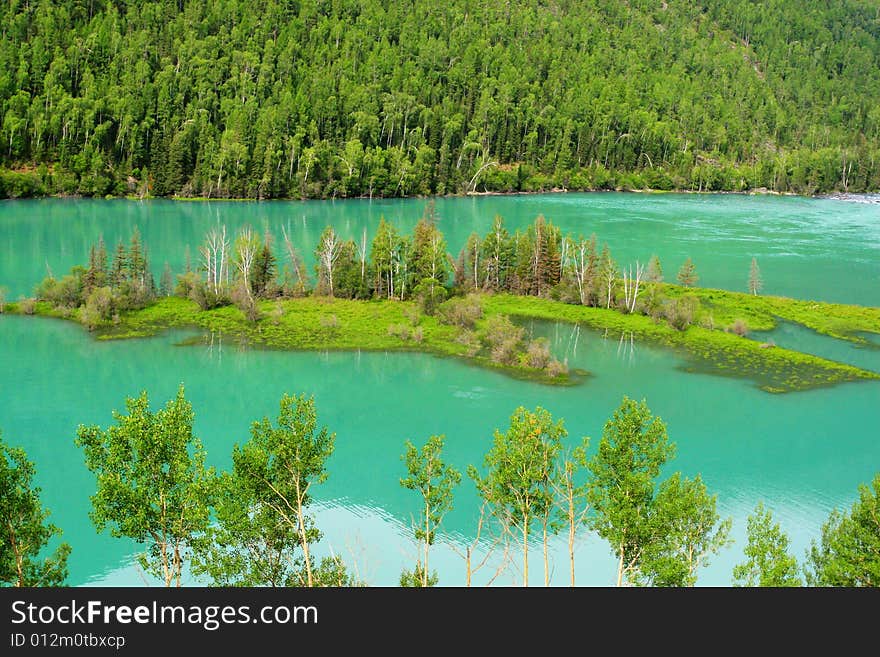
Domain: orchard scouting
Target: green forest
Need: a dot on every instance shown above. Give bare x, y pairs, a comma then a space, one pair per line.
350, 98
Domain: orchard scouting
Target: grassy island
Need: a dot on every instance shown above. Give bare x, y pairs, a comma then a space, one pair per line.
312, 323
409, 294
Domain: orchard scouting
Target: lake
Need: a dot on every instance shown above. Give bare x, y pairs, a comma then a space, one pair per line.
801, 453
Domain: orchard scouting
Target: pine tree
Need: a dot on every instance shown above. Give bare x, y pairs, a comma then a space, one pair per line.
687, 275
755, 282
655, 270
166, 283
119, 273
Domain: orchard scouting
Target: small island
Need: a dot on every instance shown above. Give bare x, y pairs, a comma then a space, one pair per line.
409, 294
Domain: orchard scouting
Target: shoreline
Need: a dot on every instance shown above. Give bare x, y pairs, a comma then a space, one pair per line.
759, 191
367, 325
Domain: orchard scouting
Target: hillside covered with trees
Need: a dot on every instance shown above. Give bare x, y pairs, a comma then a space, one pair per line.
340, 98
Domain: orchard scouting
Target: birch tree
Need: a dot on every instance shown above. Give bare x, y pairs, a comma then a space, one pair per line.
582, 256
24, 530
633, 448
285, 461
152, 484
434, 480
326, 255
215, 254
768, 561
247, 245
258, 539
607, 275
384, 255
571, 497
631, 285
295, 265
520, 466
688, 530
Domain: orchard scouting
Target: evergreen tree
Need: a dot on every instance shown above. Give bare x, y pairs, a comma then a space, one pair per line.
755, 282
496, 252
687, 275
655, 270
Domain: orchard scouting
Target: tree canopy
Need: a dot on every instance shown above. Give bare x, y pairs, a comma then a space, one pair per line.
269, 99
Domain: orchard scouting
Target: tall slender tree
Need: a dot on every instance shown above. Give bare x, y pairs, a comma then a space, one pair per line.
520, 468
435, 481
755, 282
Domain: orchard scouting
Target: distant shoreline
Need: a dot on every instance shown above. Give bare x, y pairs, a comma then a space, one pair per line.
658, 192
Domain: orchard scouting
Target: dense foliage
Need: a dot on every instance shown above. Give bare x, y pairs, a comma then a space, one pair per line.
331, 98
252, 526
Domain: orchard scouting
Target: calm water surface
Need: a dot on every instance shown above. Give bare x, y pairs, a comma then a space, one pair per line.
802, 453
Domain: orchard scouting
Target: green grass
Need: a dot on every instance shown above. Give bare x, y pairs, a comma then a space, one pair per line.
761, 313
304, 324
712, 351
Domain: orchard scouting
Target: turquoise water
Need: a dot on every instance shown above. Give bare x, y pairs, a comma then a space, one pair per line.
807, 248
801, 453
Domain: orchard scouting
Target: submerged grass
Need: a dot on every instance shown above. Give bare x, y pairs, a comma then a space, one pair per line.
773, 369
315, 323
318, 324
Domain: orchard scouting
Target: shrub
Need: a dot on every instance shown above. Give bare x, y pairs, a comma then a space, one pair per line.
329, 322
538, 353
244, 301
504, 339
680, 312
99, 307
470, 341
27, 306
64, 293
739, 327
413, 314
461, 311
401, 331
205, 297
276, 313
555, 368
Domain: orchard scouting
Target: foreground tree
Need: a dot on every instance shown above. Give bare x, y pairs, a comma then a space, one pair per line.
279, 466
571, 496
24, 532
768, 562
258, 539
152, 484
688, 530
848, 553
633, 448
521, 467
429, 476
